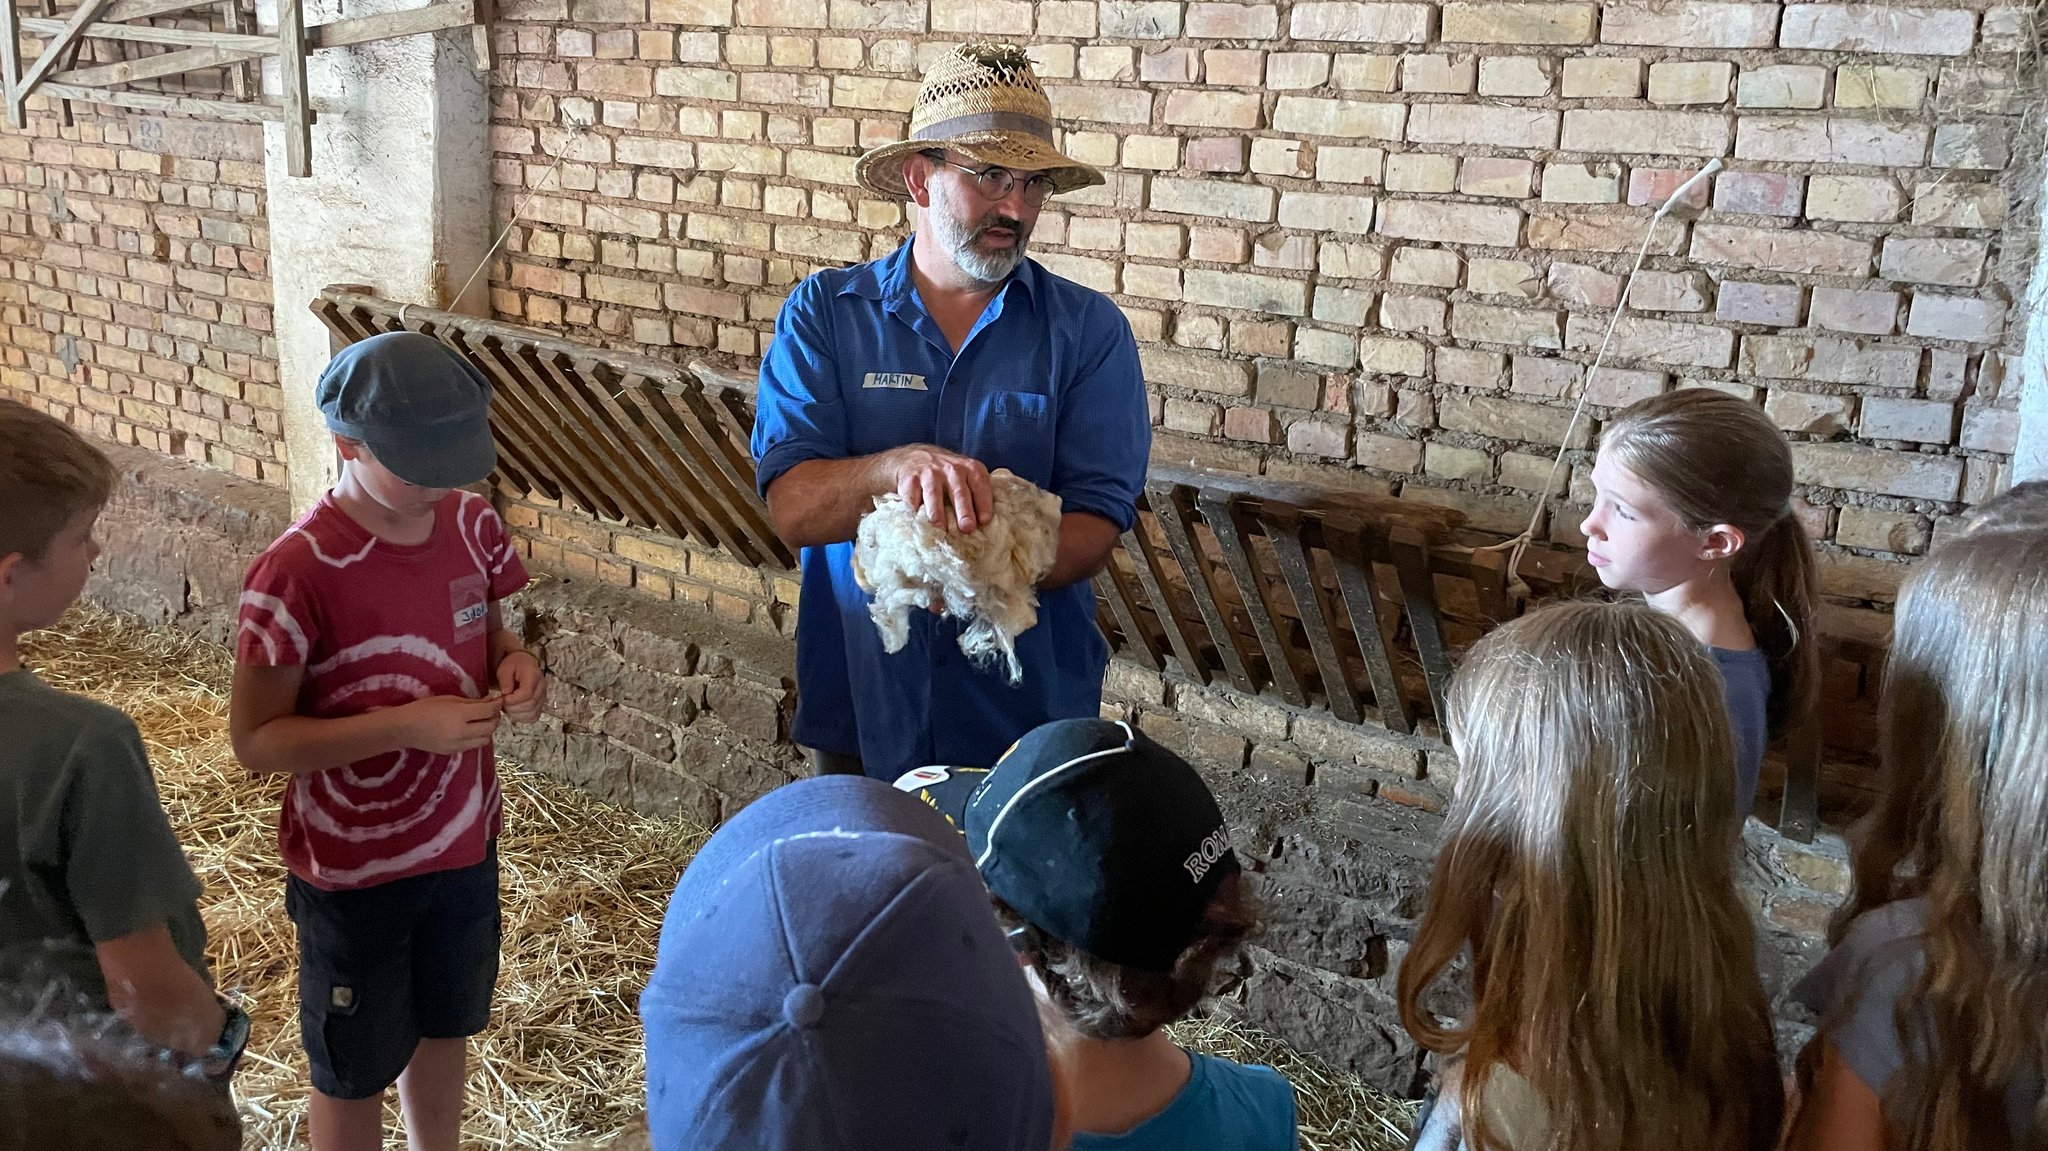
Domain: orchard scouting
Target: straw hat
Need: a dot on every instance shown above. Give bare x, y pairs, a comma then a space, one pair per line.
982, 101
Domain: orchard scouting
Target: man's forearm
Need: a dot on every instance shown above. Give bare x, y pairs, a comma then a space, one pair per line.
820, 502
1086, 540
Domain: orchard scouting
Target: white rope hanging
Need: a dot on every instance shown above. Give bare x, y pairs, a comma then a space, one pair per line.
1520, 544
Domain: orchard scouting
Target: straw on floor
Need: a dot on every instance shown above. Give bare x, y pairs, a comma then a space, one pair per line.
585, 885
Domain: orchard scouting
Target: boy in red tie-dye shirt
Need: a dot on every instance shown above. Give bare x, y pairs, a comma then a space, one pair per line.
372, 668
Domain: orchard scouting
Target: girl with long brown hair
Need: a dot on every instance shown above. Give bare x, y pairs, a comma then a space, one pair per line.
1934, 1001
1585, 875
1693, 509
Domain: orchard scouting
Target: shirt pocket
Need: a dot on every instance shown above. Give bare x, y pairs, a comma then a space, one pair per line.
1023, 407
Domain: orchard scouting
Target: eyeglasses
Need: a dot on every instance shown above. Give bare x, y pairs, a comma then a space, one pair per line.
997, 183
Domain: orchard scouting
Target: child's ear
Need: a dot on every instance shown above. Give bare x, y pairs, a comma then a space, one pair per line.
1722, 541
348, 448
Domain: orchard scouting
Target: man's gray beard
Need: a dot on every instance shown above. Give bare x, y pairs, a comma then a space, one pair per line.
958, 241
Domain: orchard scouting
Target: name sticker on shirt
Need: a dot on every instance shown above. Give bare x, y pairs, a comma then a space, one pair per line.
904, 381
470, 598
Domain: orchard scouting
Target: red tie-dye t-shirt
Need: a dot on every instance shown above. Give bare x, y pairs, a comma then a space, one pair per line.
377, 625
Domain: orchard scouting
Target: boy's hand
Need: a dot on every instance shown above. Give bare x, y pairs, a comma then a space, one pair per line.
451, 724
521, 686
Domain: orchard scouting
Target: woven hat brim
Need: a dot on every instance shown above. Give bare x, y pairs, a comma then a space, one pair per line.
881, 170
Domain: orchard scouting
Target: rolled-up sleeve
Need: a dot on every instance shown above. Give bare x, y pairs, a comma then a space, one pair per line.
1105, 425
799, 413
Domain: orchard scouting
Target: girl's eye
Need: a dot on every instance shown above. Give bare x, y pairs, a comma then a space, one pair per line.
1622, 512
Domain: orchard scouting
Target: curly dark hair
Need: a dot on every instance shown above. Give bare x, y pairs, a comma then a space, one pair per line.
1104, 1000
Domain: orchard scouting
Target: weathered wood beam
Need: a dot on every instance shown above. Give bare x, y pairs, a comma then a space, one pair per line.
152, 34
386, 25
291, 76
10, 65
157, 102
242, 77
144, 9
86, 12
151, 67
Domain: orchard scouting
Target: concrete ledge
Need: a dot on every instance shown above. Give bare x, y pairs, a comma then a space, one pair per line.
668, 710
178, 538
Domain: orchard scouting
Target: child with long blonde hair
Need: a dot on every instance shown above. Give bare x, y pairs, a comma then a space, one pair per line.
1585, 873
1693, 509
1934, 1002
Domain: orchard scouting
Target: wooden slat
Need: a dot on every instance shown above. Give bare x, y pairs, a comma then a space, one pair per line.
718, 427
1112, 587
1418, 591
1351, 554
291, 76
1220, 513
552, 421
481, 19
387, 25
733, 520
1490, 576
1145, 564
1283, 527
157, 34
86, 12
144, 9
242, 77
1799, 805
683, 468
252, 112
1172, 506
543, 428
644, 461
10, 65
151, 67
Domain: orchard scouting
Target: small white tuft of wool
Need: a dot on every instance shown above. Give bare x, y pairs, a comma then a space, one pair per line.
987, 577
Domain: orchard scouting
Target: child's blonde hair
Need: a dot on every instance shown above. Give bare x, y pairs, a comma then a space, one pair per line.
49, 475
1963, 821
1717, 459
1585, 864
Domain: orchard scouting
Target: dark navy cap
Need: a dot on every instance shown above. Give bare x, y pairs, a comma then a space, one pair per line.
831, 978
422, 409
1095, 834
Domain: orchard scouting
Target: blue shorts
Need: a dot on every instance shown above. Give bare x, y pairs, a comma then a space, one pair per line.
383, 967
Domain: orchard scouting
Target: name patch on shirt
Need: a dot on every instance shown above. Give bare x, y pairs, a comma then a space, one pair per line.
470, 597
904, 381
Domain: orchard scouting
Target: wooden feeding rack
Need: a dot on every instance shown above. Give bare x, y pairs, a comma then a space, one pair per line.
54, 71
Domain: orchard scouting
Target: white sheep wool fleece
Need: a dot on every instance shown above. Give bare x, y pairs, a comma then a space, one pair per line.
988, 577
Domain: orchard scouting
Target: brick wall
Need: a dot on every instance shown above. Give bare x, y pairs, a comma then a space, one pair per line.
135, 285
1375, 242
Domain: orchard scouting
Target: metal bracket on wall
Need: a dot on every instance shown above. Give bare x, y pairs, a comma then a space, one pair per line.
54, 70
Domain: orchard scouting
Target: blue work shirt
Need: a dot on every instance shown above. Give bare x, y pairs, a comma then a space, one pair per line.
1047, 384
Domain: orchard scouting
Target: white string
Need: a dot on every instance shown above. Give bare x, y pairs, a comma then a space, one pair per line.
492, 251
1520, 544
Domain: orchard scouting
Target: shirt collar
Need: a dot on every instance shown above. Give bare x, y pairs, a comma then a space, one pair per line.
889, 277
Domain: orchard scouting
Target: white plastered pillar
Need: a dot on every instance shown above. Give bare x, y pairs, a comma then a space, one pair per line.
399, 200
2030, 451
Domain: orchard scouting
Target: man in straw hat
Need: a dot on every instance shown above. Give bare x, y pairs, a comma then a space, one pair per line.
921, 372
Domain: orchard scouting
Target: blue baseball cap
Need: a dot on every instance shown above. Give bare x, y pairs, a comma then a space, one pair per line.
423, 410
831, 978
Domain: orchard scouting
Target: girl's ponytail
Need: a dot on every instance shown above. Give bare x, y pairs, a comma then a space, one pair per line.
1775, 575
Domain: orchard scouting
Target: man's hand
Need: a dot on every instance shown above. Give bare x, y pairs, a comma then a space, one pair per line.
452, 724
522, 688
941, 483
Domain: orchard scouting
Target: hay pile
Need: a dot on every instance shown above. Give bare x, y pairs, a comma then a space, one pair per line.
584, 885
